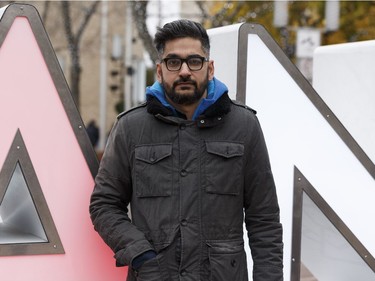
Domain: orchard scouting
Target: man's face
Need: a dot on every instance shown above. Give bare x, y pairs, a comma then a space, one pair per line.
184, 86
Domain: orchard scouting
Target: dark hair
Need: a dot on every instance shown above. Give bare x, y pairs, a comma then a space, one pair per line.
181, 29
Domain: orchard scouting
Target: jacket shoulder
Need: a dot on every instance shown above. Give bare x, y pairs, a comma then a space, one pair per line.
142, 105
240, 104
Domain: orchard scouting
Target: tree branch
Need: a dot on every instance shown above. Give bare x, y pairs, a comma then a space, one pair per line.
139, 9
65, 9
90, 11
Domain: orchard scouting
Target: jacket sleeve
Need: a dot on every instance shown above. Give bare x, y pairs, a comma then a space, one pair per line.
262, 211
111, 197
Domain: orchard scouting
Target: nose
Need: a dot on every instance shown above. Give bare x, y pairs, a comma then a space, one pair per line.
185, 70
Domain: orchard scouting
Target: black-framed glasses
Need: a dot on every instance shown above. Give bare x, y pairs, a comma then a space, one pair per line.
194, 63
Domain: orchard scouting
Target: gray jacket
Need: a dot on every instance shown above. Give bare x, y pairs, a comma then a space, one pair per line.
190, 185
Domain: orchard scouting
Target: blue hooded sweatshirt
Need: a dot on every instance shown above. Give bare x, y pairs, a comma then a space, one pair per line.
215, 89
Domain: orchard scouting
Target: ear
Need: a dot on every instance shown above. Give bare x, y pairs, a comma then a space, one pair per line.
159, 73
211, 70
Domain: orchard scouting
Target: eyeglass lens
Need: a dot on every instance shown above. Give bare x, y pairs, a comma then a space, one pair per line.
194, 63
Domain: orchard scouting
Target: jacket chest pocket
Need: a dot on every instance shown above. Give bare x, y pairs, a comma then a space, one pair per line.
153, 170
223, 167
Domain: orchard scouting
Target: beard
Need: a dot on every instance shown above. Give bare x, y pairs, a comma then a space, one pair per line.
188, 98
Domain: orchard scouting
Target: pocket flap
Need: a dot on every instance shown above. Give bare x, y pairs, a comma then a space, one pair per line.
225, 149
153, 153
225, 247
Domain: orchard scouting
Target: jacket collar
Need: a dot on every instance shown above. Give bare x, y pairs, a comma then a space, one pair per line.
215, 90
212, 116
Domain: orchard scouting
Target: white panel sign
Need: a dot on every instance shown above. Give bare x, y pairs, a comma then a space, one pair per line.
299, 133
344, 77
224, 52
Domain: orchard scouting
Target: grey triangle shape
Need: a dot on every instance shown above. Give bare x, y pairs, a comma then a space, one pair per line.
20, 219
26, 227
306, 195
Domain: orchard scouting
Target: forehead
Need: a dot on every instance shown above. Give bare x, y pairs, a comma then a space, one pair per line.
183, 47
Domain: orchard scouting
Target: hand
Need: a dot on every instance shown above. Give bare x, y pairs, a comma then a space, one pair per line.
149, 271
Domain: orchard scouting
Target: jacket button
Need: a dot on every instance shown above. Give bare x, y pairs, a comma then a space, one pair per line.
184, 222
233, 263
202, 121
183, 272
183, 173
182, 126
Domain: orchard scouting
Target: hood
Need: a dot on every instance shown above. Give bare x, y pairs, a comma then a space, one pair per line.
215, 90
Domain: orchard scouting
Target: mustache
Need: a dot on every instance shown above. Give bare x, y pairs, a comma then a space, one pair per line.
184, 80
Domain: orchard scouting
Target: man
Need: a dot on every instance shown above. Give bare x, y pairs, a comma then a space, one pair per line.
192, 165
93, 132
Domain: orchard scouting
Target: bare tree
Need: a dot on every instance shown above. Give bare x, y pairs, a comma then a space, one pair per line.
139, 11
74, 40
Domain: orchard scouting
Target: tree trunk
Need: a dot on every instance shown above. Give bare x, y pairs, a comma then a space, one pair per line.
73, 44
75, 74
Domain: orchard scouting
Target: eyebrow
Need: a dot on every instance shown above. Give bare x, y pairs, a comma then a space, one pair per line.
190, 56
172, 56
